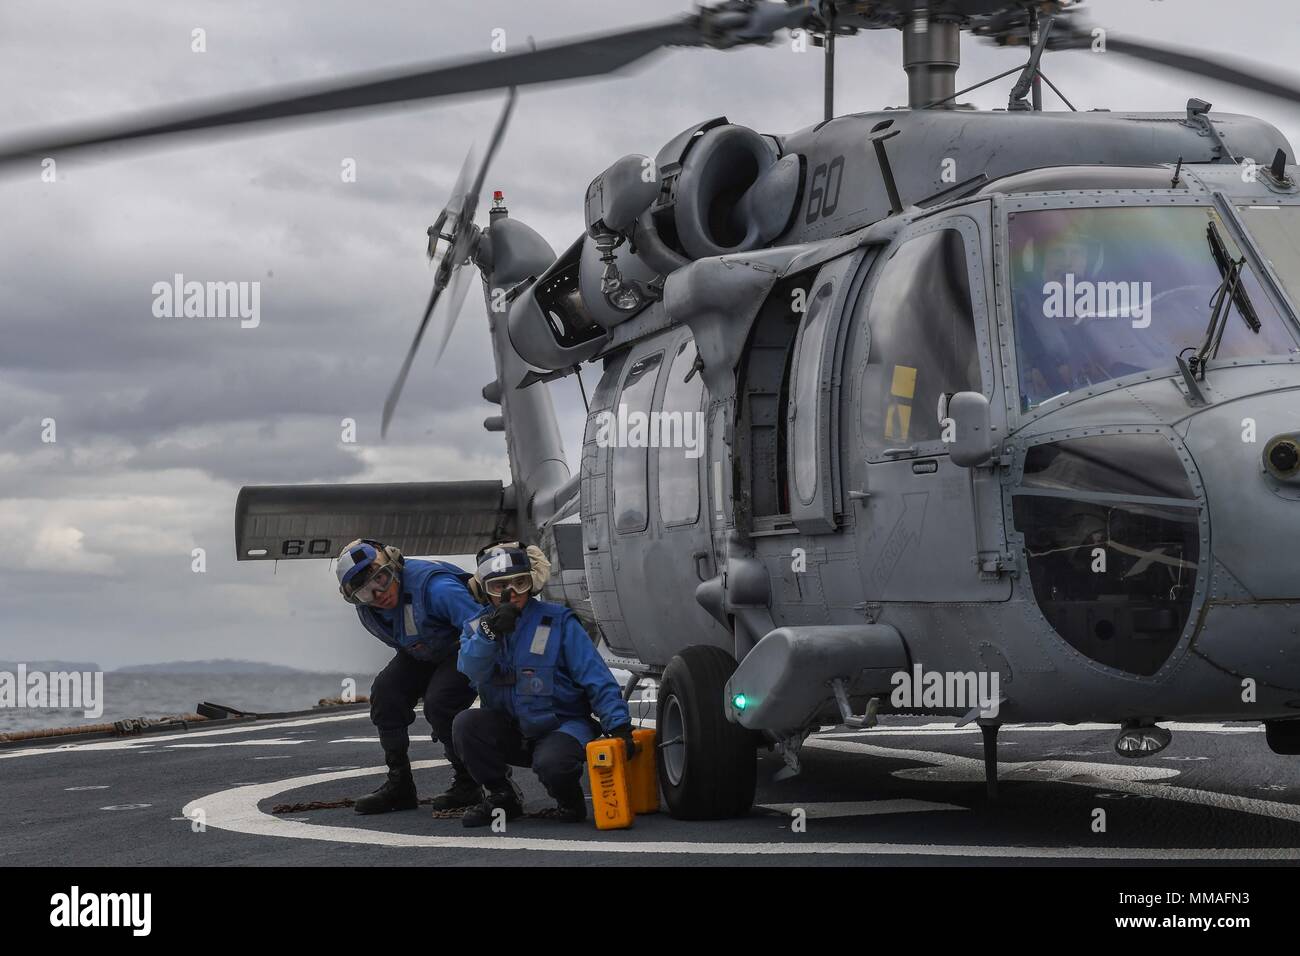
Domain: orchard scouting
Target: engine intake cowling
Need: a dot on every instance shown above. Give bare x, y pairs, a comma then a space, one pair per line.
734, 193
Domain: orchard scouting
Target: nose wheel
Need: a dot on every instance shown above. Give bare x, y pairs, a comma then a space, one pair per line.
708, 766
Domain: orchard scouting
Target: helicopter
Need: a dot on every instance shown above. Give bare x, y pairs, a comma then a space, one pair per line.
920, 394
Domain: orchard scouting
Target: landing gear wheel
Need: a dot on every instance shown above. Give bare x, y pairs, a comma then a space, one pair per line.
1283, 736
708, 766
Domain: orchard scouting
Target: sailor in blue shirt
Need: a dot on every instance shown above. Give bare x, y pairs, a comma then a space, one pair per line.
417, 608
539, 680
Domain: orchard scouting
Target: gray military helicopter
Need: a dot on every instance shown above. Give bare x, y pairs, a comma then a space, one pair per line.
922, 391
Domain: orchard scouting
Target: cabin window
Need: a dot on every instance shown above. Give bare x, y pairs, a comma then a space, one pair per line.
803, 420
628, 431
923, 344
682, 439
811, 424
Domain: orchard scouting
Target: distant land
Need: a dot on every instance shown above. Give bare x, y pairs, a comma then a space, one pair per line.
223, 666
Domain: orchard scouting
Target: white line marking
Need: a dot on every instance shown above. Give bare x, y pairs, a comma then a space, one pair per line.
268, 742
138, 742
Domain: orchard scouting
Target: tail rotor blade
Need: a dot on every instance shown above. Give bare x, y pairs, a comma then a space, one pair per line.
449, 309
454, 275
498, 134
394, 393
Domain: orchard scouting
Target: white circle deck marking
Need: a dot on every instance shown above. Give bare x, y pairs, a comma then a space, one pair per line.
237, 810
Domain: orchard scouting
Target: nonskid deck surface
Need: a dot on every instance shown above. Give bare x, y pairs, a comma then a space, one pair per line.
910, 791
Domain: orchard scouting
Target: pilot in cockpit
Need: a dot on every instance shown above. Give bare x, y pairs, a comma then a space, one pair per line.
1055, 355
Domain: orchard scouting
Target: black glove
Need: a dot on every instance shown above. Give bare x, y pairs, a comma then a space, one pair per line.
625, 734
500, 624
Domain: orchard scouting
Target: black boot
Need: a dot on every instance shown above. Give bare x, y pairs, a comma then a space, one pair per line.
501, 796
570, 805
463, 792
397, 792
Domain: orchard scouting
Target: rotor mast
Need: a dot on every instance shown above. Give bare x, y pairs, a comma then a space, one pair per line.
931, 56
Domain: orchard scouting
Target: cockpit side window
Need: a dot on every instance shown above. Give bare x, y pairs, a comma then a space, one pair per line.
923, 343
1276, 231
628, 431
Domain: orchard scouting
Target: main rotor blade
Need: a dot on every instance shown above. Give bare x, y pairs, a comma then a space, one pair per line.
592, 56
1271, 83
1256, 81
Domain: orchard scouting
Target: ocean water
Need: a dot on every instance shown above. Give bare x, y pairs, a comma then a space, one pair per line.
161, 695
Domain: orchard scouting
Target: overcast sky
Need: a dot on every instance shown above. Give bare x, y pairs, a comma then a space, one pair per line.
159, 421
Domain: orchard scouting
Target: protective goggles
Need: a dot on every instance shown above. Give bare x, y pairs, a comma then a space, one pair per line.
368, 585
518, 583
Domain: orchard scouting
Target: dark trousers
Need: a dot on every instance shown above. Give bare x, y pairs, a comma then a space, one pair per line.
489, 741
397, 688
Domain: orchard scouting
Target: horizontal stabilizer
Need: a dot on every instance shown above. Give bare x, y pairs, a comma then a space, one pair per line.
289, 522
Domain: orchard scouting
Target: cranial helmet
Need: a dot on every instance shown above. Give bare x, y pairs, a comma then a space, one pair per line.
508, 559
362, 558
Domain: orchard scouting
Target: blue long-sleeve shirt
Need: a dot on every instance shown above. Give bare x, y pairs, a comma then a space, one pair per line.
431, 611
533, 673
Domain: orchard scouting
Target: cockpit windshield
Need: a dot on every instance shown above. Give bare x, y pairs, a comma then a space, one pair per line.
1101, 293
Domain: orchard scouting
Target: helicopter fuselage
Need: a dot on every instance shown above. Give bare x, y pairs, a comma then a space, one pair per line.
1123, 553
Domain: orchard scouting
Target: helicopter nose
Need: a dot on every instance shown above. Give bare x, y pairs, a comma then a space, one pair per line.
1247, 453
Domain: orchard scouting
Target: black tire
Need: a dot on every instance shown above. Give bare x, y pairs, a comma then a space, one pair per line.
1283, 736
712, 772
